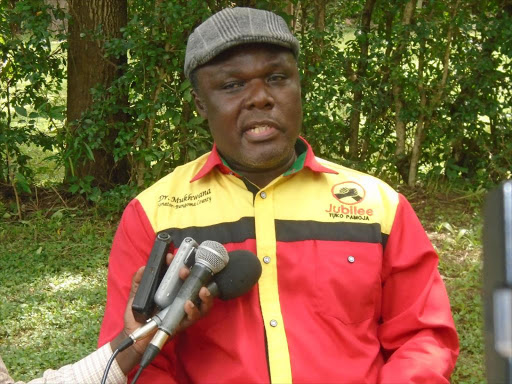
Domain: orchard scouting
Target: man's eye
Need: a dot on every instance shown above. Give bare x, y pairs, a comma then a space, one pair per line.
276, 77
232, 85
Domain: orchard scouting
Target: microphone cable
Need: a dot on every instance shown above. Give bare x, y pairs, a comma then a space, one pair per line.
125, 344
109, 364
136, 377
240, 274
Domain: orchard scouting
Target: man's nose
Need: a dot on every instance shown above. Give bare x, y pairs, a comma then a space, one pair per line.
259, 95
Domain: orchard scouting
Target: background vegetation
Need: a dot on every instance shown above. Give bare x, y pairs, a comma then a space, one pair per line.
94, 107
414, 91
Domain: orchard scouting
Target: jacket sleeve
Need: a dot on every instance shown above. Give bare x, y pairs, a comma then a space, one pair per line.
417, 332
131, 247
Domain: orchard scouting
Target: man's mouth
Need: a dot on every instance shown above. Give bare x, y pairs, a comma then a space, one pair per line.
259, 129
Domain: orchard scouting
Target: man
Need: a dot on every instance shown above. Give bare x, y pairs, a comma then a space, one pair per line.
350, 291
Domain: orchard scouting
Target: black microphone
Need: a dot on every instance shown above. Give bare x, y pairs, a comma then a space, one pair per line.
235, 280
143, 303
239, 276
211, 257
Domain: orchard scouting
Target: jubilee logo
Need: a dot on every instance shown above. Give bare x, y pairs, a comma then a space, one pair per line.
349, 194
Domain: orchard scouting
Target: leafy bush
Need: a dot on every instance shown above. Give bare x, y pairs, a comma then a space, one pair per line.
350, 71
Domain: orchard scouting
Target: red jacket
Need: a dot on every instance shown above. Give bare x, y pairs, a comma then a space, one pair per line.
350, 291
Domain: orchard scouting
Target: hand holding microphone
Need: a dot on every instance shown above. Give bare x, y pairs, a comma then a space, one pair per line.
211, 258
234, 280
133, 330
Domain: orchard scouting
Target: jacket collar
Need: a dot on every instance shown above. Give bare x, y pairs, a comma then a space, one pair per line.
305, 159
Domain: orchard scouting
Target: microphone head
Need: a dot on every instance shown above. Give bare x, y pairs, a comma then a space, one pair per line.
212, 255
239, 276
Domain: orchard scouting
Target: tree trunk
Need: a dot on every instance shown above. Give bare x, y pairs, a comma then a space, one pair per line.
415, 153
292, 10
87, 68
307, 58
320, 16
319, 27
400, 155
355, 114
428, 107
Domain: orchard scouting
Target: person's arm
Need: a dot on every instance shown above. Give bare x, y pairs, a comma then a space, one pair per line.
130, 250
130, 357
417, 331
88, 370
131, 247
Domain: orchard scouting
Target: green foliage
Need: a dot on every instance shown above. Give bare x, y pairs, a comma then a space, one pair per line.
467, 134
161, 130
111, 203
454, 55
84, 187
467, 115
31, 79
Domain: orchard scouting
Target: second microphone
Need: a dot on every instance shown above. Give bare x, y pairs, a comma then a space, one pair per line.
211, 258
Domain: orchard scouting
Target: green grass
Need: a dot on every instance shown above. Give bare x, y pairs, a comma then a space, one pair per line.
53, 268
454, 224
52, 285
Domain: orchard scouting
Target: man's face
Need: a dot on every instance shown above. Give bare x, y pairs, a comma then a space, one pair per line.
251, 97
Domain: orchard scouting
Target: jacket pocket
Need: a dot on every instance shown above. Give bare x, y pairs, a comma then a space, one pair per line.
347, 280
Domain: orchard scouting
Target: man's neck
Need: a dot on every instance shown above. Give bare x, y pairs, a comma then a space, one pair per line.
262, 178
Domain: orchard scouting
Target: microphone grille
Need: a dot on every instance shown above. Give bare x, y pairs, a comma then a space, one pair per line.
213, 255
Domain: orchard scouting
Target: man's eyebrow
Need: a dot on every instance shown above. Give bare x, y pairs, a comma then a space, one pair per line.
235, 71
222, 73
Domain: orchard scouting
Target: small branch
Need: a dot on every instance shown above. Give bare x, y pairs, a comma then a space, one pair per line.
37, 198
18, 204
49, 210
13, 184
10, 173
9, 120
60, 197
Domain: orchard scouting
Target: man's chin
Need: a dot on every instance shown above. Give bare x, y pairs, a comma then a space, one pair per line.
267, 163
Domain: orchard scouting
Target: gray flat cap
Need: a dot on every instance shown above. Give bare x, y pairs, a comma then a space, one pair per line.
234, 26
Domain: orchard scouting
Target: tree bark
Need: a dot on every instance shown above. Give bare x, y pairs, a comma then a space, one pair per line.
379, 110
429, 106
401, 160
355, 113
87, 68
415, 153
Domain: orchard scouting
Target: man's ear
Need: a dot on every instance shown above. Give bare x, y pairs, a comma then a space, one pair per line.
200, 106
